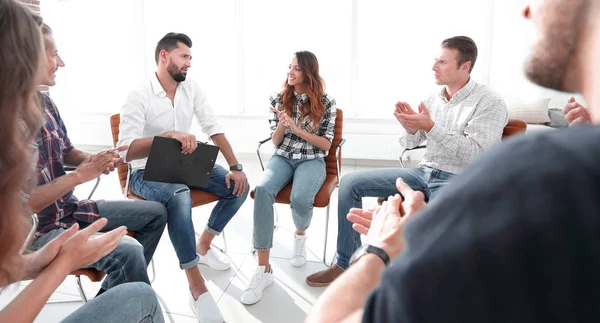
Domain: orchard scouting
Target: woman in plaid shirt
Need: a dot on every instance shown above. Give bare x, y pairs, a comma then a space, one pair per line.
303, 124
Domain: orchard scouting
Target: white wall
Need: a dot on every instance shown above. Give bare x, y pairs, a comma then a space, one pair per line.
372, 53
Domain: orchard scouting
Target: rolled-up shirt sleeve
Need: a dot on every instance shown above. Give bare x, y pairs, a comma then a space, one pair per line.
204, 113
327, 128
133, 119
274, 104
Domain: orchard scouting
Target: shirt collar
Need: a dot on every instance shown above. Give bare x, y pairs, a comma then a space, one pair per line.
461, 94
300, 98
156, 87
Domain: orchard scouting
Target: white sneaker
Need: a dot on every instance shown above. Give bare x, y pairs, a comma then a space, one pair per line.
261, 280
298, 257
205, 308
214, 259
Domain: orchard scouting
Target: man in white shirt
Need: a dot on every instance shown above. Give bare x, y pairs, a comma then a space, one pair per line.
165, 106
458, 123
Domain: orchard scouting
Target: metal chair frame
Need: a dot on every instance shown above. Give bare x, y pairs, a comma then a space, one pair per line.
337, 149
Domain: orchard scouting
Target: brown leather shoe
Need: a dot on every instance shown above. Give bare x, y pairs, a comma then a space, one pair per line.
324, 277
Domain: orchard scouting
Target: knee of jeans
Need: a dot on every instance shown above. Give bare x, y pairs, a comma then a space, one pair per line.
160, 212
181, 198
301, 202
245, 194
142, 291
262, 192
130, 248
347, 184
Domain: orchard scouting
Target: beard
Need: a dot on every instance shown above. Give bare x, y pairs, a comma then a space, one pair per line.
549, 67
176, 73
553, 58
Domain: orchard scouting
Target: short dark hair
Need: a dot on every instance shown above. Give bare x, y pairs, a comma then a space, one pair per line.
169, 42
466, 47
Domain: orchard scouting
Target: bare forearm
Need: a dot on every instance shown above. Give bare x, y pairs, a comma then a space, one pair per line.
221, 141
74, 157
347, 295
28, 304
44, 195
313, 139
277, 137
140, 148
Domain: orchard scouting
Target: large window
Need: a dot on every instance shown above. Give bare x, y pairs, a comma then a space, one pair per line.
102, 49
397, 44
273, 30
372, 53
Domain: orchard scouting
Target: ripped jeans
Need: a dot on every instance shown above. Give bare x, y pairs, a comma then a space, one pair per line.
177, 200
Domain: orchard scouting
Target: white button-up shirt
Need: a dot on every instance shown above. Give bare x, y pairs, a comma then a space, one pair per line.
471, 121
149, 112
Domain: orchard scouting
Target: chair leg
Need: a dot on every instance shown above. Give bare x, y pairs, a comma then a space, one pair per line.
95, 187
80, 290
276, 216
224, 249
153, 271
325, 242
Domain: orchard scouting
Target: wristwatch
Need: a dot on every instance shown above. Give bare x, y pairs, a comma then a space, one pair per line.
236, 167
367, 248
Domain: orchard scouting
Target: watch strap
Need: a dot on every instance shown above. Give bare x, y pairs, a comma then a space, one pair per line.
380, 253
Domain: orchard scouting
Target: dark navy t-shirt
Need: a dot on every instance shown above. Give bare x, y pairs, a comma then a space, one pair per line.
514, 238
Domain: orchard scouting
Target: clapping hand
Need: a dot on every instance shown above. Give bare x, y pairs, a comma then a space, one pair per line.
384, 225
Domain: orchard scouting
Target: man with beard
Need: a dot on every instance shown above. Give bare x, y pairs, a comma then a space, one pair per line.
517, 237
165, 107
58, 209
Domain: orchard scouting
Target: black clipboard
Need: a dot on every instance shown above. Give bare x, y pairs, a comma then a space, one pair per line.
167, 164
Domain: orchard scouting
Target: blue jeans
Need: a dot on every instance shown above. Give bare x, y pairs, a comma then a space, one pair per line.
308, 176
124, 264
146, 218
176, 198
378, 183
131, 302
129, 260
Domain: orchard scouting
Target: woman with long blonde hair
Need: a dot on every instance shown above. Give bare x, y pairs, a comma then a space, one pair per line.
303, 125
20, 118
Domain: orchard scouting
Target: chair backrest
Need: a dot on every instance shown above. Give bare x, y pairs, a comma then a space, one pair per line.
512, 127
330, 160
115, 120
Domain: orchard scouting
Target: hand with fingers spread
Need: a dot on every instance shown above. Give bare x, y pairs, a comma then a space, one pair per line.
575, 113
240, 182
388, 219
187, 140
83, 248
412, 121
36, 261
404, 108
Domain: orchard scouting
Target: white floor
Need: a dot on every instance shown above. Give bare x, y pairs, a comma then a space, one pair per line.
288, 300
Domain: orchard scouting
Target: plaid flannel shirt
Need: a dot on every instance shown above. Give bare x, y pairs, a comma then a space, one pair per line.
293, 146
467, 124
52, 144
